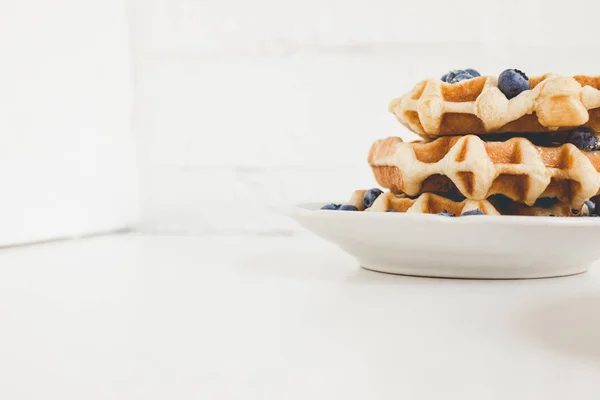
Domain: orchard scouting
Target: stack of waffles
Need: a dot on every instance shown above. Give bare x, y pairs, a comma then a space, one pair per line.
507, 145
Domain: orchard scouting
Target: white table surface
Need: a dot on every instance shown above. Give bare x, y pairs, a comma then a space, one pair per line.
140, 317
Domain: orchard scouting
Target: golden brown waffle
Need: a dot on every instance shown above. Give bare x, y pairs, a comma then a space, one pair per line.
435, 108
476, 169
429, 203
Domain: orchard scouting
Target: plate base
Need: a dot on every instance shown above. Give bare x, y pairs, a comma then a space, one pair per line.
474, 273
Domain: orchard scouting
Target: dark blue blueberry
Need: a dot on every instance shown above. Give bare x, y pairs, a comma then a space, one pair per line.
589, 208
511, 82
445, 213
370, 196
473, 72
330, 207
457, 75
584, 138
348, 207
452, 73
476, 211
392, 210
460, 77
591, 215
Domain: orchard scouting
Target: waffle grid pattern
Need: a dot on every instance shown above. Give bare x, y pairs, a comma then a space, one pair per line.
515, 168
556, 101
429, 203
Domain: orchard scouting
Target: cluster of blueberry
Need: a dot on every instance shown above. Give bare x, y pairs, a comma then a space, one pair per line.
511, 82
368, 199
345, 207
457, 75
476, 211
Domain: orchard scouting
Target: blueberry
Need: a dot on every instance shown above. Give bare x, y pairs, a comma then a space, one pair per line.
370, 196
591, 215
348, 207
457, 75
472, 72
330, 207
476, 211
589, 208
584, 138
445, 213
460, 77
511, 82
391, 210
452, 73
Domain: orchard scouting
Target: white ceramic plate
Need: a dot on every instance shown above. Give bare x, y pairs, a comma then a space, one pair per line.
491, 247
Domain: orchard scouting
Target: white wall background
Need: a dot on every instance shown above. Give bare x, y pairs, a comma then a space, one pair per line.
67, 155
243, 106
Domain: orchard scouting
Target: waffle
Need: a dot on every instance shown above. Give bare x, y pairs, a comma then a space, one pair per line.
426, 203
429, 203
468, 166
477, 106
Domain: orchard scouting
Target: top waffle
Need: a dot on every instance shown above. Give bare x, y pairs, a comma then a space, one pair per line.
477, 106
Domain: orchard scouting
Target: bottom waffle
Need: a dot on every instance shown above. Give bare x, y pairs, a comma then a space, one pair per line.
429, 203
